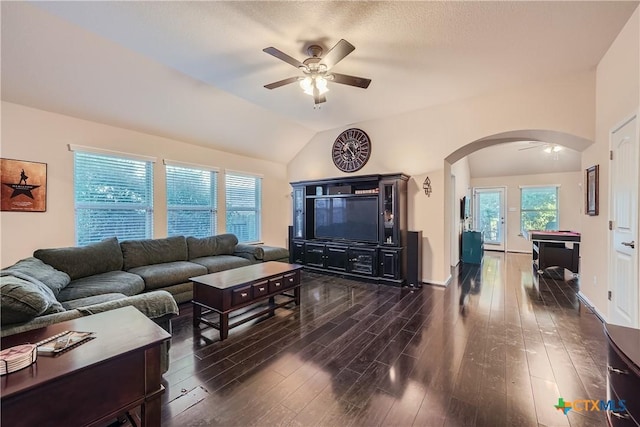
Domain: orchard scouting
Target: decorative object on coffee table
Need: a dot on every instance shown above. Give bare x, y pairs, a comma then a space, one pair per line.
18, 357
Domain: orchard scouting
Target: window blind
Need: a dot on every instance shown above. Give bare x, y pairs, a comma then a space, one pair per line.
191, 201
243, 203
113, 197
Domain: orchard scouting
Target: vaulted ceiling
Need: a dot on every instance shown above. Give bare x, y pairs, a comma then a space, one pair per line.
195, 71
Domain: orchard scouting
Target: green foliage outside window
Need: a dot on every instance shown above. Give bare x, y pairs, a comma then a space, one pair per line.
539, 208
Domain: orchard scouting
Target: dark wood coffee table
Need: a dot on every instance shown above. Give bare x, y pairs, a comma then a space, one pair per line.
93, 383
230, 290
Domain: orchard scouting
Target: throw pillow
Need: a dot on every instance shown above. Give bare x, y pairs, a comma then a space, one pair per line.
22, 300
33, 267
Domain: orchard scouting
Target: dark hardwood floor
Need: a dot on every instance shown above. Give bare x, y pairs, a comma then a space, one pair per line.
497, 347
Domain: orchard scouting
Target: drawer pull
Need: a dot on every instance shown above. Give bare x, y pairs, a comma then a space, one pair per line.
291, 280
277, 284
261, 289
243, 294
617, 371
623, 416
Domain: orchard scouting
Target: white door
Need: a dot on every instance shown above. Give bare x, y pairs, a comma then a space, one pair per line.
624, 287
489, 216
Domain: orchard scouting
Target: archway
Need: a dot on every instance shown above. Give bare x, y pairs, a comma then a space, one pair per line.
544, 136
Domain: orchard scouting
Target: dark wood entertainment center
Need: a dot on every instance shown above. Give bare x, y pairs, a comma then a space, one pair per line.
352, 226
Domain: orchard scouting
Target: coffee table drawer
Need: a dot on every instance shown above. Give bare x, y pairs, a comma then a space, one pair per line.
276, 284
241, 295
260, 288
291, 279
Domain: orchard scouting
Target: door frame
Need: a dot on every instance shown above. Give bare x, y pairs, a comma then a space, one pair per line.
611, 242
503, 207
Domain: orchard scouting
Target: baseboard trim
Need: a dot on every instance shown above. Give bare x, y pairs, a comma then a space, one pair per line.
438, 283
583, 299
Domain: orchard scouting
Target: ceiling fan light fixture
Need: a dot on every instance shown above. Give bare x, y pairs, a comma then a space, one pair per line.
321, 84
309, 83
556, 148
547, 150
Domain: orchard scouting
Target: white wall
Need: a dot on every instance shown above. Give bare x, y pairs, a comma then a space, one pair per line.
40, 136
460, 170
417, 143
570, 202
617, 97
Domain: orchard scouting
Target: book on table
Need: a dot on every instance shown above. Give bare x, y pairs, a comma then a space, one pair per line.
63, 341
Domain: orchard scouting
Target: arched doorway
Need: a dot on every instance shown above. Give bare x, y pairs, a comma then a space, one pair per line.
452, 214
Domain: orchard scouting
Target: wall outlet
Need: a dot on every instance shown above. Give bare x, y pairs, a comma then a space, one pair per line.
595, 280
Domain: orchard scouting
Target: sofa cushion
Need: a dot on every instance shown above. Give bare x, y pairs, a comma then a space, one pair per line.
221, 262
275, 253
33, 267
113, 281
139, 253
83, 261
170, 273
222, 244
22, 300
95, 299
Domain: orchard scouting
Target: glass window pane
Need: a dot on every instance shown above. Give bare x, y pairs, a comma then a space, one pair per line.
191, 202
243, 204
113, 197
539, 208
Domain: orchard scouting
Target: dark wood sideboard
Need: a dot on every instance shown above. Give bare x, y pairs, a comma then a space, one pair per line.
93, 383
623, 374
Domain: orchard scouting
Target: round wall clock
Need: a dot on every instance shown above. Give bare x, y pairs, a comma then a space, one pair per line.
351, 150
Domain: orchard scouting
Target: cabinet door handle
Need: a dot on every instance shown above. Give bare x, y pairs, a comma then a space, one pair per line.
261, 289
617, 371
243, 294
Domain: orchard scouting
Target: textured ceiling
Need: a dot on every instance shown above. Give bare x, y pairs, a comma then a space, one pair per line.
195, 71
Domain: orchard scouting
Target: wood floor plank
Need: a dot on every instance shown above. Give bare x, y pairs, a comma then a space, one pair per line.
496, 347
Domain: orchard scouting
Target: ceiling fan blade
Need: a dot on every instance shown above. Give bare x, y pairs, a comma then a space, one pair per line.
351, 80
337, 53
528, 148
284, 57
282, 82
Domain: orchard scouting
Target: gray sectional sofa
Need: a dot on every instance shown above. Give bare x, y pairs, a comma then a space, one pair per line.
153, 275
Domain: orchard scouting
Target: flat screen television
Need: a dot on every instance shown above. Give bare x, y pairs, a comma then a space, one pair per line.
349, 218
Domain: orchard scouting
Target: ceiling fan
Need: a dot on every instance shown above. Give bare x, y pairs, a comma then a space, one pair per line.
546, 147
316, 70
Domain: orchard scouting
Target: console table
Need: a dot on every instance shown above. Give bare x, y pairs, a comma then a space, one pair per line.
230, 290
550, 249
93, 383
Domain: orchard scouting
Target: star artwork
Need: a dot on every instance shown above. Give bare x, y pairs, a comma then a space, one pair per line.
23, 186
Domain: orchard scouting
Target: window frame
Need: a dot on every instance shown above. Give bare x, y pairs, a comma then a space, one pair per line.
524, 188
212, 208
257, 199
147, 206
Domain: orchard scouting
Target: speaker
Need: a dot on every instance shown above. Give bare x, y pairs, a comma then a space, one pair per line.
414, 259
290, 243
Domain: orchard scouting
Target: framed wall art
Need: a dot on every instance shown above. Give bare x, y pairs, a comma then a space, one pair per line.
591, 178
24, 186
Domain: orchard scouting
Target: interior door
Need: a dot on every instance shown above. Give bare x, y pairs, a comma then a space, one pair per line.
489, 209
624, 292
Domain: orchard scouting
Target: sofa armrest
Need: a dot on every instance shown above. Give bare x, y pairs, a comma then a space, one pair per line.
253, 253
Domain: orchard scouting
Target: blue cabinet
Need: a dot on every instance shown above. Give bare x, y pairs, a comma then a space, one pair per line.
472, 247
